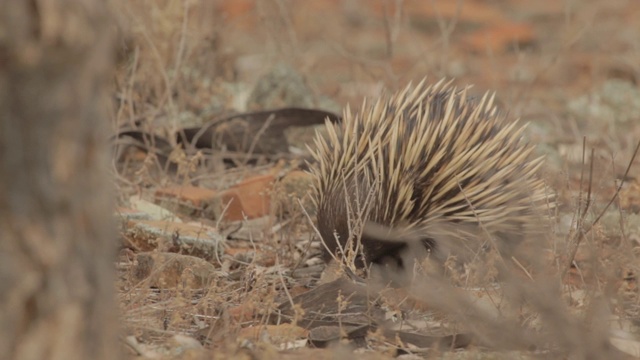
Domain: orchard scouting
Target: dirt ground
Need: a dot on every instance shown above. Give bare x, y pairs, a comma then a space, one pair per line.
215, 240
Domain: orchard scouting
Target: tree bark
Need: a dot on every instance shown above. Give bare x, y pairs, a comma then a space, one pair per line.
56, 239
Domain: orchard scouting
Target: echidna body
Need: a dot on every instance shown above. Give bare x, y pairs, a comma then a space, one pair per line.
422, 156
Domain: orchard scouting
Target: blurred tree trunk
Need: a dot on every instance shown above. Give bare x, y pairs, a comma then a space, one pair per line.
56, 284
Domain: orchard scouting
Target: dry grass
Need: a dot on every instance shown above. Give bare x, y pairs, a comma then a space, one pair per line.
566, 294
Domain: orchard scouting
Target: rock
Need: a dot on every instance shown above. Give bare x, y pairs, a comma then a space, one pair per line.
187, 200
168, 271
200, 241
251, 199
281, 87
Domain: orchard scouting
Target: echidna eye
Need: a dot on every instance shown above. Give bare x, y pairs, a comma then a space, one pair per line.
359, 261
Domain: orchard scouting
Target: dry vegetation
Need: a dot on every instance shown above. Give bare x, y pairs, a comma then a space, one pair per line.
569, 68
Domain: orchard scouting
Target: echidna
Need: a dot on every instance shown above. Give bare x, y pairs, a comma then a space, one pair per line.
421, 156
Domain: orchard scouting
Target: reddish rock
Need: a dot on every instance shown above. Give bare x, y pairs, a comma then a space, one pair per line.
243, 312
297, 181
241, 13
186, 200
251, 198
123, 217
168, 271
293, 187
500, 37
467, 11
252, 255
236, 8
197, 196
